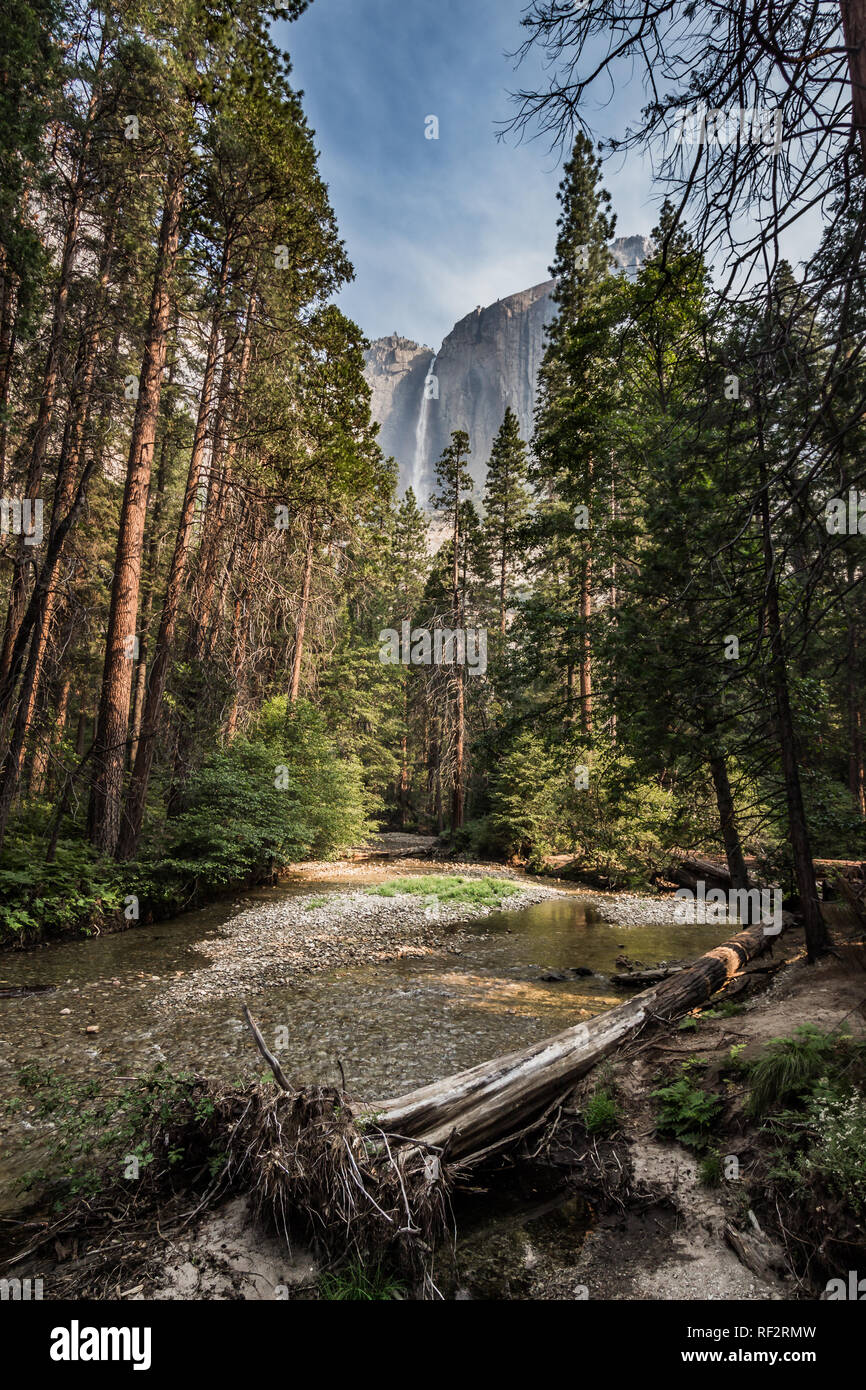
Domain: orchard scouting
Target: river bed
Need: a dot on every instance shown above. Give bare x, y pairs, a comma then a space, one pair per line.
391, 1024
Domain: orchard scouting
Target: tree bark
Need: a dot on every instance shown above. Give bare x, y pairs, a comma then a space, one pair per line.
459, 702
730, 834
48, 395
7, 354
854, 28
146, 741
301, 624
49, 737
817, 937
585, 659
108, 755
856, 778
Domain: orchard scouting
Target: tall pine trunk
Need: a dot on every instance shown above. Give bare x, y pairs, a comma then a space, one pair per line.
856, 779
727, 820
301, 624
817, 938
457, 794
38, 439
854, 28
146, 740
113, 720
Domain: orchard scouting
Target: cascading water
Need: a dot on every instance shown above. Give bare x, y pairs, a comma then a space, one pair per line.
429, 392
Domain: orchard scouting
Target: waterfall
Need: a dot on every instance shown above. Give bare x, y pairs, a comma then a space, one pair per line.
421, 436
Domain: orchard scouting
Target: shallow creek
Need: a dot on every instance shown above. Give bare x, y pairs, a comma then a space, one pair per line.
392, 1024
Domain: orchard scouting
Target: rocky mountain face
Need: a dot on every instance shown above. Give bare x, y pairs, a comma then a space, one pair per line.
488, 361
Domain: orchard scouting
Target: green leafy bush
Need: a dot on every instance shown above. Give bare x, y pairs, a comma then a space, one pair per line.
281, 793
686, 1111
621, 826
76, 891
811, 1088
95, 1131
600, 1114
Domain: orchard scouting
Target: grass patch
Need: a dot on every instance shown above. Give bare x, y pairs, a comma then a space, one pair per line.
600, 1114
789, 1067
710, 1170
357, 1282
451, 888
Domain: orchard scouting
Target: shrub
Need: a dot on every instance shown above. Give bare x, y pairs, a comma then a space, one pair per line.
687, 1112
75, 891
600, 1114
622, 826
279, 794
838, 1149
788, 1068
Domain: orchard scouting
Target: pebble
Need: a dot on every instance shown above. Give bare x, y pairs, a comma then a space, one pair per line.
279, 942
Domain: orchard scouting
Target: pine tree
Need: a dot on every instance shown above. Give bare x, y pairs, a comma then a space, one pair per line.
453, 478
572, 471
506, 502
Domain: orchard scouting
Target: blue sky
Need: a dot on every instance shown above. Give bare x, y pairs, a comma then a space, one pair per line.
433, 227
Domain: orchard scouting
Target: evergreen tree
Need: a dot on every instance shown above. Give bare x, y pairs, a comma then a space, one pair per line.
506, 502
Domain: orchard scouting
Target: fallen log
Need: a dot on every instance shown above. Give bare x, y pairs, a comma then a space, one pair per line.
690, 872
376, 1179
469, 1115
635, 978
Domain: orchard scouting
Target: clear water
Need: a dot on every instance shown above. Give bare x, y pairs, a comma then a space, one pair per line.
393, 1025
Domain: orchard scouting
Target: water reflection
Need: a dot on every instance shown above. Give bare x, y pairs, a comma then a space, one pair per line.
392, 1025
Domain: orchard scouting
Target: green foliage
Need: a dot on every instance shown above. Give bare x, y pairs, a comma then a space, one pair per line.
789, 1067
686, 1111
710, 1170
811, 1090
600, 1113
523, 803
358, 1282
95, 1131
622, 825
837, 1151
277, 795
77, 891
237, 826
451, 888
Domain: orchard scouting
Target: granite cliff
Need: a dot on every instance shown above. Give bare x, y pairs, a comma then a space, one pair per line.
488, 361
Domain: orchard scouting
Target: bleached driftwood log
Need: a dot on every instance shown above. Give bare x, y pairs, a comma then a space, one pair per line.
475, 1111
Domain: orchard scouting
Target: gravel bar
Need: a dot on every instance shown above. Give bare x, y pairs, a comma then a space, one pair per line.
278, 943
